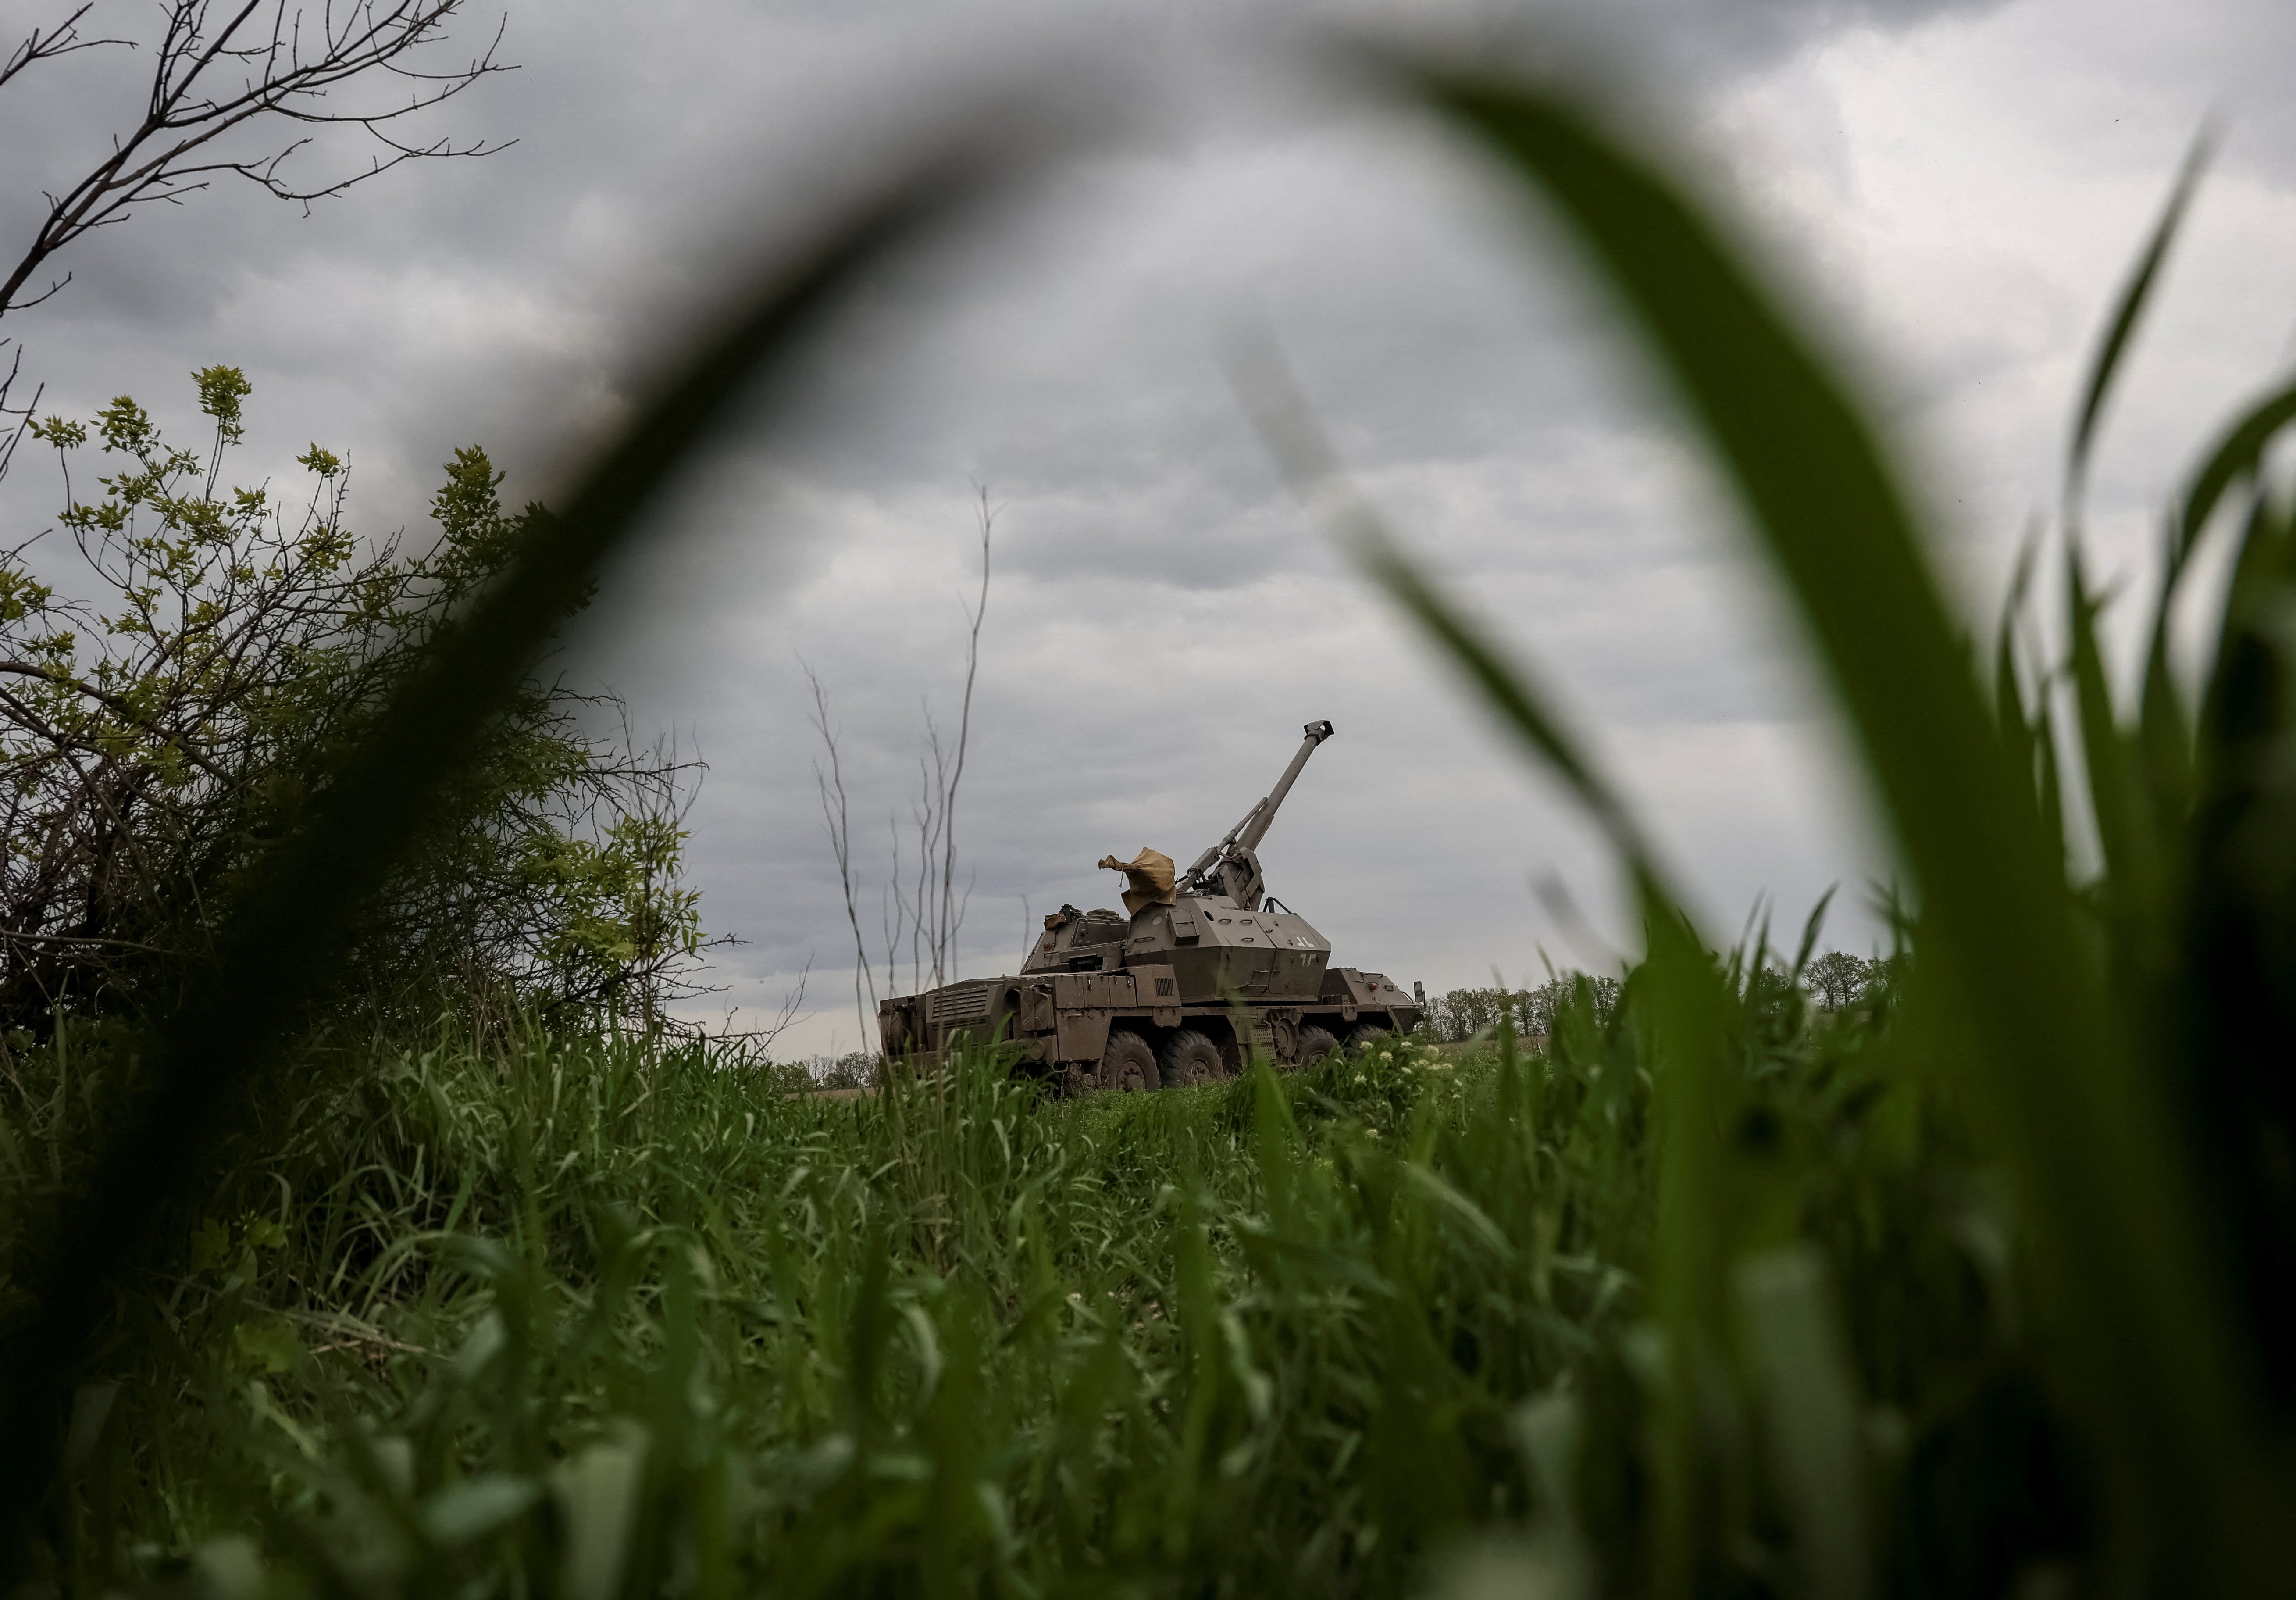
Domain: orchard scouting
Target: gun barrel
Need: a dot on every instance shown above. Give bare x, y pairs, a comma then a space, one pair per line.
1247, 834
1254, 826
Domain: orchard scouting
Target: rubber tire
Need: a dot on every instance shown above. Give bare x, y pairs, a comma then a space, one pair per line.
1128, 1064
1192, 1058
1314, 1043
1366, 1035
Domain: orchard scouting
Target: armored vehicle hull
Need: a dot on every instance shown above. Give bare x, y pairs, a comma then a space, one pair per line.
1204, 973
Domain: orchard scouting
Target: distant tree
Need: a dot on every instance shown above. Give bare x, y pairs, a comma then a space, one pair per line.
1839, 979
1461, 1014
160, 730
1464, 1012
1583, 1000
854, 1070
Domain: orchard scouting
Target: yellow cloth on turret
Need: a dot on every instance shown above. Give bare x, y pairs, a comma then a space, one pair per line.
1151, 875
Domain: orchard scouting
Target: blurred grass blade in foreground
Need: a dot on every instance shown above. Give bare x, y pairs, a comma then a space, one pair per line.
1286, 424
1786, 1312
2126, 315
2238, 455
2146, 1308
1688, 1004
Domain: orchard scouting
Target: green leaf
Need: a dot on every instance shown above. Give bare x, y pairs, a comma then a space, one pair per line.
1689, 1263
231, 1568
597, 1496
2234, 459
1465, 1211
2131, 306
2163, 740
475, 1507
1785, 1308
2124, 833
91, 1408
2008, 690
268, 1345
210, 1243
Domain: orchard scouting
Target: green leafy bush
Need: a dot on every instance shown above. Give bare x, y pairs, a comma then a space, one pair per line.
165, 721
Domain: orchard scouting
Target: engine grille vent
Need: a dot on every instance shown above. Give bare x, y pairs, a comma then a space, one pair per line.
964, 1005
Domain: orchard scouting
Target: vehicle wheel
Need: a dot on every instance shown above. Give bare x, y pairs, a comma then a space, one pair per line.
1366, 1035
1189, 1057
1075, 1080
1128, 1064
1315, 1044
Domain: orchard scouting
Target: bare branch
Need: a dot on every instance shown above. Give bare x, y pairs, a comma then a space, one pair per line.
79, 938
952, 914
921, 904
835, 817
62, 39
289, 77
11, 434
760, 1040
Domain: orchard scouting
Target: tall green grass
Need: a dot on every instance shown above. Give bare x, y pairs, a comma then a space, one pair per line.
2121, 1035
580, 1317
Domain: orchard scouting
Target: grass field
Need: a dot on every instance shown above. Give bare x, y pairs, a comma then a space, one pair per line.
570, 1319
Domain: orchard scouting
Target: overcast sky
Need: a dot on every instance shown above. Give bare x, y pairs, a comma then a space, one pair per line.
1954, 190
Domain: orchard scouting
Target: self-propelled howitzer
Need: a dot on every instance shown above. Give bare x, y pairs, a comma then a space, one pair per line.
1203, 970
